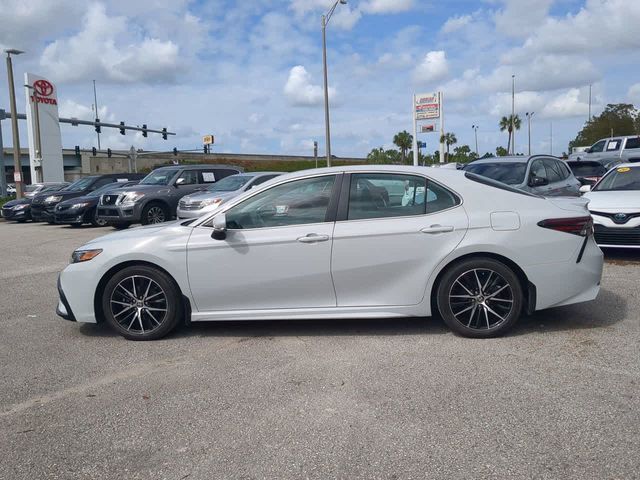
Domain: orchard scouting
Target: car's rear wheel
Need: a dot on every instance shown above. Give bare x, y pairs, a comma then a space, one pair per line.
480, 298
141, 303
154, 213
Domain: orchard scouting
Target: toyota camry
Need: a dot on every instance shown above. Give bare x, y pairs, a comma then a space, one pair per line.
348, 242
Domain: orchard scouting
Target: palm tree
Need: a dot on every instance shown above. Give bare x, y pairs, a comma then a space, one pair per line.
507, 124
448, 139
404, 141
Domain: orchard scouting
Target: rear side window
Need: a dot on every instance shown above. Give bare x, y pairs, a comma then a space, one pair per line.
633, 143
613, 145
207, 176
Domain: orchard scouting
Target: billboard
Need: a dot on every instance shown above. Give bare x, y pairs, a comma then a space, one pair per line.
427, 106
43, 129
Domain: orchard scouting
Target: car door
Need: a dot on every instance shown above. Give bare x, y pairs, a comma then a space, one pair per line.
556, 177
276, 254
392, 231
595, 152
571, 183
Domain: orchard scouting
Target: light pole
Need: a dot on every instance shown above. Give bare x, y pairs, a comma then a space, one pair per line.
325, 22
475, 132
529, 115
513, 114
17, 168
37, 141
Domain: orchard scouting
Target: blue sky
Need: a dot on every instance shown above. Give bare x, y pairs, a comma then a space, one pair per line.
250, 72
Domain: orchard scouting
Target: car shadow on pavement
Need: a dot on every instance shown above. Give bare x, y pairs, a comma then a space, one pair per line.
622, 256
294, 328
606, 310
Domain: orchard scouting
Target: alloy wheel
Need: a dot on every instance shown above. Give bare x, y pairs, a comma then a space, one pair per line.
139, 304
481, 299
155, 215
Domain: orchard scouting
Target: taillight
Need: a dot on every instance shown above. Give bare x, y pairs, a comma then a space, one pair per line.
581, 226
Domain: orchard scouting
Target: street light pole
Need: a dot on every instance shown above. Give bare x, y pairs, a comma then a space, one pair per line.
37, 143
475, 131
529, 115
325, 22
513, 114
17, 167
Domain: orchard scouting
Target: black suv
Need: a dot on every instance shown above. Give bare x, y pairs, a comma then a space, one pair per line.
155, 199
44, 204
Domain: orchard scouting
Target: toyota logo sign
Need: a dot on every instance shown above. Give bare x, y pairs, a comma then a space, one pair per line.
43, 87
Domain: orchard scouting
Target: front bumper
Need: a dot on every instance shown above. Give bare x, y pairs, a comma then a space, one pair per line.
63, 309
11, 214
127, 213
75, 216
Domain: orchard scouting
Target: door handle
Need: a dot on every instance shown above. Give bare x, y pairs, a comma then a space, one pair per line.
433, 229
313, 238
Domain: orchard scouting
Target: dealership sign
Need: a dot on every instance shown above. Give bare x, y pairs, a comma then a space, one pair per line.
427, 106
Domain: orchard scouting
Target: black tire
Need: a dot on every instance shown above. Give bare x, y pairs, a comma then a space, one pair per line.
138, 311
97, 222
480, 298
121, 226
154, 212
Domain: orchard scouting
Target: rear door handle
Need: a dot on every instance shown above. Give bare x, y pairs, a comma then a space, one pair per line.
433, 229
313, 238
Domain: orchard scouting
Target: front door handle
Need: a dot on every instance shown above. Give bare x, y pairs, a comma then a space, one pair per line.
433, 229
313, 238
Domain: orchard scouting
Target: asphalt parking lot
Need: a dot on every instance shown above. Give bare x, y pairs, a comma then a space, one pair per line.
388, 399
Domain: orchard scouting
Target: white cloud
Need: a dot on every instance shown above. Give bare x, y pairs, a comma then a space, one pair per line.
300, 90
519, 18
72, 109
105, 49
455, 23
433, 68
387, 6
633, 94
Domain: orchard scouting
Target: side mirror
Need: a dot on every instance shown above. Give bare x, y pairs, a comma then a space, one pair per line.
538, 182
219, 227
180, 181
585, 188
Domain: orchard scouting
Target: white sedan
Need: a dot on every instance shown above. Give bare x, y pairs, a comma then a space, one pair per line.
614, 203
348, 242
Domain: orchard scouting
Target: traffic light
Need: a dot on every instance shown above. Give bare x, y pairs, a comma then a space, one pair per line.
98, 130
109, 152
175, 151
95, 151
77, 151
144, 130
206, 148
164, 133
121, 128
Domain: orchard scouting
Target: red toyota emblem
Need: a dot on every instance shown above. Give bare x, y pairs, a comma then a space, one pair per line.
43, 87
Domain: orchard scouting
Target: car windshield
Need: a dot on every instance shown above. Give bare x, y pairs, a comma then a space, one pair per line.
230, 184
109, 186
511, 173
622, 178
80, 185
161, 176
32, 188
587, 169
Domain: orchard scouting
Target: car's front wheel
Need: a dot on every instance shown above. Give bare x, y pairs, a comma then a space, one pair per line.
480, 298
142, 303
154, 213
97, 221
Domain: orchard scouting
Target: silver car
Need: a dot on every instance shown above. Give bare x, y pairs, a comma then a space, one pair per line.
541, 174
199, 203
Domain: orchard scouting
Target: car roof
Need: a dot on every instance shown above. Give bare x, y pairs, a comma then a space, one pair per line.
198, 167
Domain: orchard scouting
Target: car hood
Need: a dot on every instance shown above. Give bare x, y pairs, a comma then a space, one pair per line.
198, 197
138, 233
144, 189
20, 201
83, 199
619, 200
63, 194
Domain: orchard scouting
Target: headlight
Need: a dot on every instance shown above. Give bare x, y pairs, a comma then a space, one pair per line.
53, 198
21, 206
80, 205
130, 197
211, 201
85, 255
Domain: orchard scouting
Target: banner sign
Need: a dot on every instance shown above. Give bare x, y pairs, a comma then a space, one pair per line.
208, 140
428, 128
427, 106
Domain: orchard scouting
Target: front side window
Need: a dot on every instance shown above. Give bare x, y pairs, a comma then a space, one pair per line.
554, 174
160, 176
598, 146
394, 195
297, 202
187, 177
538, 170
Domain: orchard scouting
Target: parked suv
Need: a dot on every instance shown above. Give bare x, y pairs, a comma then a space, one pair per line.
20, 209
155, 199
541, 174
44, 204
626, 149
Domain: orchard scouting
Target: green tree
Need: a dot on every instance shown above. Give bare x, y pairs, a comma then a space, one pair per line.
501, 152
404, 141
448, 139
508, 125
616, 119
463, 154
382, 156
